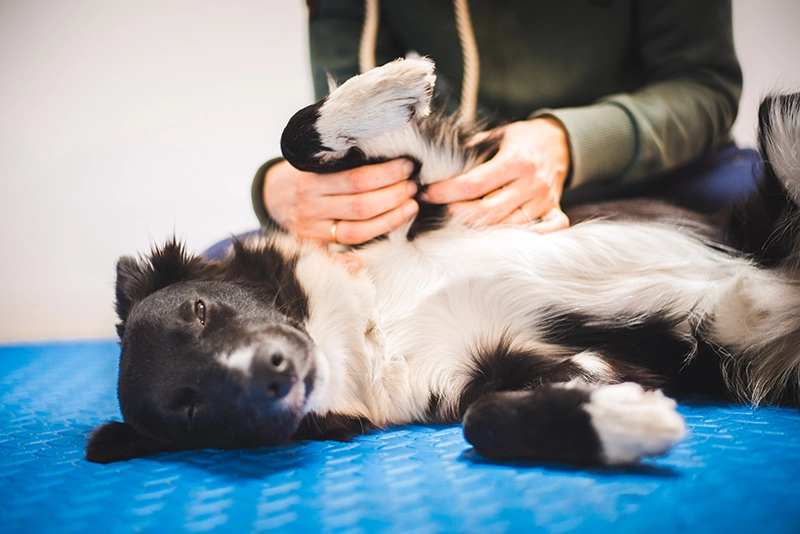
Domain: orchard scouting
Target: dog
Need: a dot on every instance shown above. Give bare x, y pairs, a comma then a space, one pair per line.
566, 347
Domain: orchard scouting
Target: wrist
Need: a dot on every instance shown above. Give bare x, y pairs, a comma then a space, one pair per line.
258, 194
560, 148
602, 140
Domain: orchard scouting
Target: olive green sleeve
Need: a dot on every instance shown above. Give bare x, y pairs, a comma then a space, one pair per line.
257, 196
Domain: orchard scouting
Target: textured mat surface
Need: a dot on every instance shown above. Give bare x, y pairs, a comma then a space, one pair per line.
739, 471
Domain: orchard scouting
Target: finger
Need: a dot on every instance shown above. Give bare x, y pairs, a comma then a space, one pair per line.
468, 212
554, 220
358, 232
351, 262
471, 185
520, 216
358, 180
363, 206
492, 208
540, 201
500, 204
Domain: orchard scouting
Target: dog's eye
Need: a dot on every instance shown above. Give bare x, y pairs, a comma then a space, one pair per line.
200, 311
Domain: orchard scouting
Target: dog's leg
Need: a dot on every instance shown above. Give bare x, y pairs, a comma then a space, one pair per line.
574, 423
327, 136
590, 408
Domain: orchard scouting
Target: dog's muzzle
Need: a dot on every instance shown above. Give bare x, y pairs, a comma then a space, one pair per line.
273, 370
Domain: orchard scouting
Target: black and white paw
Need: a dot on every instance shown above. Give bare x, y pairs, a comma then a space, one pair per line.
633, 423
610, 425
547, 424
328, 136
381, 100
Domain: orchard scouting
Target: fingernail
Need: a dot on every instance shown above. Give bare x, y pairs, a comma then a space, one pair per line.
410, 209
412, 189
424, 197
408, 167
352, 264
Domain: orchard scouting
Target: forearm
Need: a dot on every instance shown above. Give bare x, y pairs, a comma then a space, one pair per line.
676, 122
629, 137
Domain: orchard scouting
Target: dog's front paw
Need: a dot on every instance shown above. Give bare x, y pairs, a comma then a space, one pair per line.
633, 423
381, 100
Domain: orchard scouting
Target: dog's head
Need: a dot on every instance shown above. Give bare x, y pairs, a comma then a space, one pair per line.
213, 354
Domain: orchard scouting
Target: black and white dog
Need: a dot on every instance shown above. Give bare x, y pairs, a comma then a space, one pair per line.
549, 347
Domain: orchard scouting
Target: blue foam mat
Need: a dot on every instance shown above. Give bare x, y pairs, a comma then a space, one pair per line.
739, 471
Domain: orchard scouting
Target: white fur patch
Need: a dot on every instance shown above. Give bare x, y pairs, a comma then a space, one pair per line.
379, 101
633, 423
593, 365
783, 143
240, 359
340, 307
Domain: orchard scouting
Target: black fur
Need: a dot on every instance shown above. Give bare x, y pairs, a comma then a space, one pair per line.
646, 350
336, 427
430, 217
117, 441
272, 276
170, 381
505, 369
546, 424
301, 143
765, 225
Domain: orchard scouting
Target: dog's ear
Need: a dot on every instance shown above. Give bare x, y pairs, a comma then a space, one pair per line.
167, 265
132, 283
116, 441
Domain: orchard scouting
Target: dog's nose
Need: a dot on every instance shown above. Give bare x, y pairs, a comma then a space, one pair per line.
272, 369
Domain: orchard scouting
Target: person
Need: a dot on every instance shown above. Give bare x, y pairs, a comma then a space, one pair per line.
595, 97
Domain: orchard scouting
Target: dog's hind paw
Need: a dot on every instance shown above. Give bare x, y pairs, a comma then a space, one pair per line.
633, 423
563, 423
381, 100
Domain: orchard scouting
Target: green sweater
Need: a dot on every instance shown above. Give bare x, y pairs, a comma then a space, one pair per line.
642, 87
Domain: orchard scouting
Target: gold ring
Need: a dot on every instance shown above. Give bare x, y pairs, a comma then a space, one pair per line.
334, 227
525, 213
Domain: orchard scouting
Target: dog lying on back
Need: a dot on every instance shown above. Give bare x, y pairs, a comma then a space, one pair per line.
549, 347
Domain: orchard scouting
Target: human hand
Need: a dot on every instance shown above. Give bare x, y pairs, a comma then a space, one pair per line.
348, 207
521, 184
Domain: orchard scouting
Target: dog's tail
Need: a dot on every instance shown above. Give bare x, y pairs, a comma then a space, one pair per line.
779, 141
768, 227
768, 224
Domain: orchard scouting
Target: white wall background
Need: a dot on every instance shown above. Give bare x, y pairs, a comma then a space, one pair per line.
123, 123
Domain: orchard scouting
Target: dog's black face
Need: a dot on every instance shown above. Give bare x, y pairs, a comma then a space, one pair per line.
208, 359
206, 364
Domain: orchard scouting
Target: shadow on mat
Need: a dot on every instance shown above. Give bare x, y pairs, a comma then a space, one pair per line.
472, 456
239, 464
